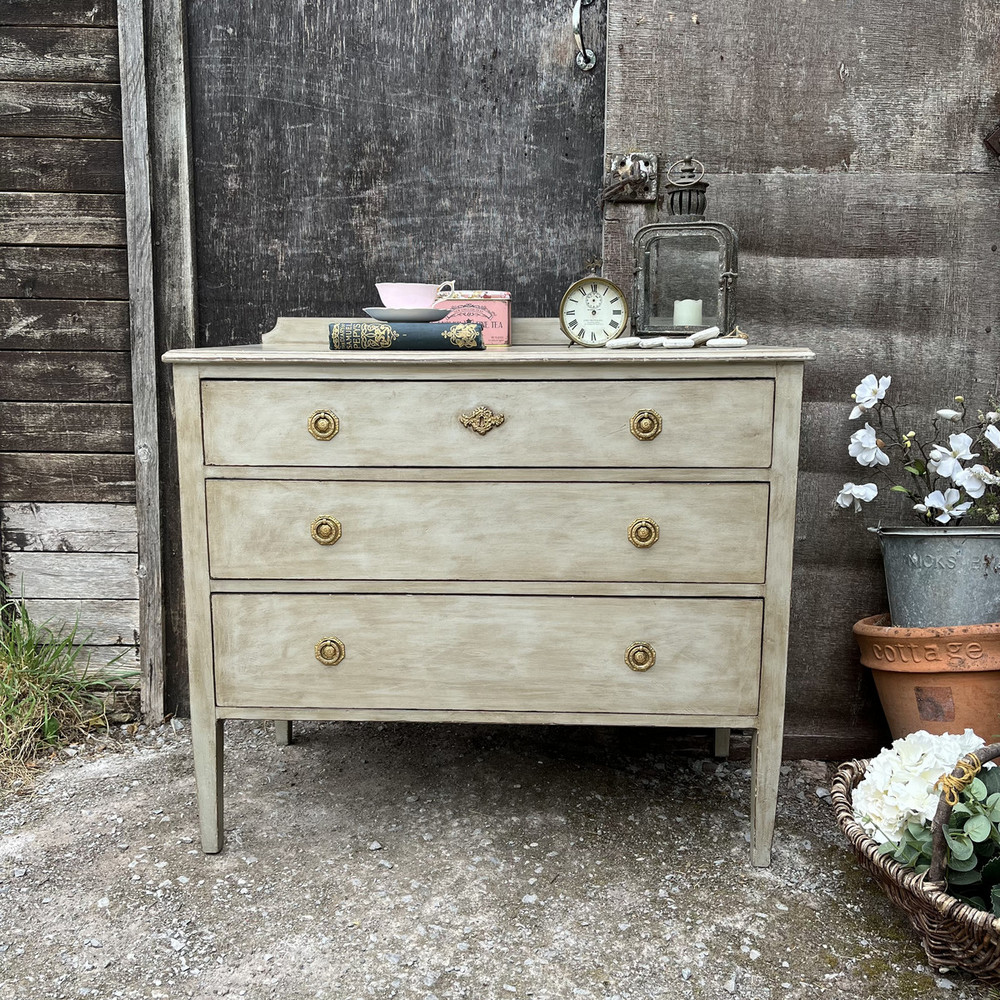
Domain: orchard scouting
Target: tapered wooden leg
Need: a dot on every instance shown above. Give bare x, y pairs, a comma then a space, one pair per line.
208, 766
721, 742
765, 754
283, 732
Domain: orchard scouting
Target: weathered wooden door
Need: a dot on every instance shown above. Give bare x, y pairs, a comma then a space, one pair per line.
336, 144
844, 142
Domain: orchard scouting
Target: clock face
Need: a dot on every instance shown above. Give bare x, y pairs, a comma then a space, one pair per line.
593, 311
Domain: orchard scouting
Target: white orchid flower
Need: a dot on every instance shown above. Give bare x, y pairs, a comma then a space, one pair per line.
865, 448
948, 414
947, 503
853, 493
947, 461
992, 433
869, 393
971, 480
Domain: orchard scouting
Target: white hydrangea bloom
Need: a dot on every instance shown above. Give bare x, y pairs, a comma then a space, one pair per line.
898, 785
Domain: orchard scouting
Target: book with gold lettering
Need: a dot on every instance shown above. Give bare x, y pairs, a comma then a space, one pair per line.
372, 335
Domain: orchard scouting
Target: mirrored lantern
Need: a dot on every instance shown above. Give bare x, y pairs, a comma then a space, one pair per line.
686, 268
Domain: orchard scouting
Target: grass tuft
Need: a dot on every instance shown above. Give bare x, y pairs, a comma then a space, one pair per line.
47, 696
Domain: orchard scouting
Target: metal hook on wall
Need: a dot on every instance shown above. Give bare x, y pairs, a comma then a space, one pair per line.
585, 57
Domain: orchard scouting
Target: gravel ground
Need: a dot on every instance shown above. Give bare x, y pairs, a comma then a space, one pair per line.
438, 862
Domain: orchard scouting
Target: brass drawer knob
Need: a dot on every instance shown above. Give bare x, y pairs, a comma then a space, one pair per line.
640, 656
326, 530
330, 651
323, 425
643, 532
646, 424
481, 420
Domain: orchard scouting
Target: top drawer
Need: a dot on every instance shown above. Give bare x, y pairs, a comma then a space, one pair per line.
703, 423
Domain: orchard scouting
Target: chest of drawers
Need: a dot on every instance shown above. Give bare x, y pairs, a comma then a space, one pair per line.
533, 534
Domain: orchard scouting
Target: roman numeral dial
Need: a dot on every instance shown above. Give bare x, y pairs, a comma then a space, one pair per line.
593, 311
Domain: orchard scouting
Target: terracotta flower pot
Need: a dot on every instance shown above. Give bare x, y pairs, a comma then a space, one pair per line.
943, 679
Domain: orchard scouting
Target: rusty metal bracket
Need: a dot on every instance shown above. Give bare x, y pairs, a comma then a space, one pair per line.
631, 177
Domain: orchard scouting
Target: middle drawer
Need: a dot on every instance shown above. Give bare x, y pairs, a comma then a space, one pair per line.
655, 532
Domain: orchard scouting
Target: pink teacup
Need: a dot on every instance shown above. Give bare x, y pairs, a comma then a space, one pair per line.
406, 295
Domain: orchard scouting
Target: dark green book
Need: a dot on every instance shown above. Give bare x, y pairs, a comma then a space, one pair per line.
371, 335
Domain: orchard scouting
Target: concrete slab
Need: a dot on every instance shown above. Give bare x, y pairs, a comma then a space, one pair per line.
439, 862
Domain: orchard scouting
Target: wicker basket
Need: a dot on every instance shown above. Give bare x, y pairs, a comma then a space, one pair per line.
954, 934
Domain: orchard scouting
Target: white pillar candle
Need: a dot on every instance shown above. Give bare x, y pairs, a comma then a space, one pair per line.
687, 312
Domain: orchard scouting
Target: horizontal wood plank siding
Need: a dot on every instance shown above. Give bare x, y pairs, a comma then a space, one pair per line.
97, 623
59, 427
54, 272
30, 164
61, 218
63, 325
53, 376
67, 478
95, 13
68, 527
81, 110
84, 575
57, 53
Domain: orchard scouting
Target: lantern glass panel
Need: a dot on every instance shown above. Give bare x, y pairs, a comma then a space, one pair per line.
683, 266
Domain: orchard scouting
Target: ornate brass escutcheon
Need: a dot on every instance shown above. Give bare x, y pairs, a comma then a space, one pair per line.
330, 651
640, 656
646, 424
643, 532
323, 425
326, 530
481, 420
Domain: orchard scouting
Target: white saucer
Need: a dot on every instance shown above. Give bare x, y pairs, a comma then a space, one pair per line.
406, 315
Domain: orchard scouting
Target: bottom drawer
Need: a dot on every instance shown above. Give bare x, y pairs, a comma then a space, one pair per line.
545, 654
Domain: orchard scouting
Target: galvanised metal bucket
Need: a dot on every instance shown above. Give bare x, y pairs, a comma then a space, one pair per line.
941, 575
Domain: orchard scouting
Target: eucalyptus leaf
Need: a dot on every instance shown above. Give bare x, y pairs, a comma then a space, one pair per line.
963, 878
960, 845
977, 828
954, 865
977, 790
961, 809
990, 777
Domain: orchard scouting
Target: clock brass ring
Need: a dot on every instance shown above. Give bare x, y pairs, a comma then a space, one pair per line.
646, 424
640, 656
323, 425
326, 530
643, 532
330, 651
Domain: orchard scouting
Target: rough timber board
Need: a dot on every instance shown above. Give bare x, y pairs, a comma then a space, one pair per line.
58, 53
68, 527
64, 325
97, 623
57, 427
62, 218
30, 164
64, 575
899, 85
63, 272
368, 149
73, 376
38, 477
76, 12
83, 110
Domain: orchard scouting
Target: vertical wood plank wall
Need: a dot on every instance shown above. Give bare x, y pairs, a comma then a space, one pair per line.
844, 142
67, 473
